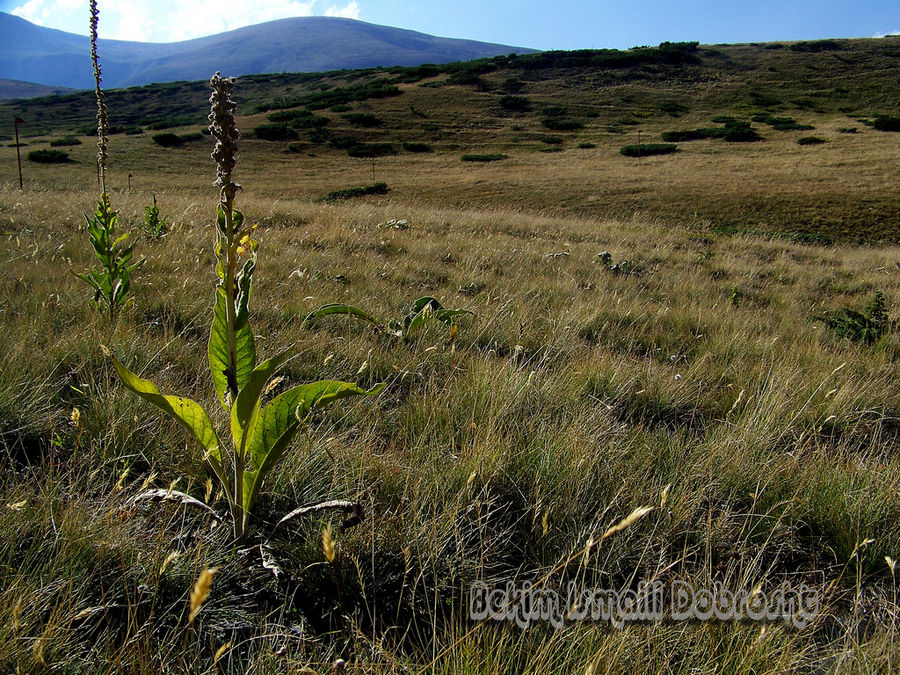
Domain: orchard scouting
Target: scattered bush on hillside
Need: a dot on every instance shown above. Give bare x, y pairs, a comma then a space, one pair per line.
494, 157
586, 145
416, 147
672, 108
647, 149
886, 123
362, 120
816, 46
810, 140
514, 103
168, 140
561, 124
64, 141
274, 132
49, 156
369, 149
350, 193
551, 140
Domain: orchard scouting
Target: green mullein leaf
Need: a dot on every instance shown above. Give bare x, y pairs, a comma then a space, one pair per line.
189, 414
279, 422
245, 350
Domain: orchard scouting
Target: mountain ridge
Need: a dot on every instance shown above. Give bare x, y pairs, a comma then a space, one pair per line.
56, 58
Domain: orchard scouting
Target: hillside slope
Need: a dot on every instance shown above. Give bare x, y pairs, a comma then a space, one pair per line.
304, 44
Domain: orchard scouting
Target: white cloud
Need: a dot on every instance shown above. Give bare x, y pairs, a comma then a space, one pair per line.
351, 11
885, 34
170, 20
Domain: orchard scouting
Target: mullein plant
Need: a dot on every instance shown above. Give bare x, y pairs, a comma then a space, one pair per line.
260, 435
111, 280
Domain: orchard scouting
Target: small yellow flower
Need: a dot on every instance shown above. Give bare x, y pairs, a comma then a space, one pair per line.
76, 418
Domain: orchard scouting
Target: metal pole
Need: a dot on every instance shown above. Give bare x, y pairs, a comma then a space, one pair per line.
18, 152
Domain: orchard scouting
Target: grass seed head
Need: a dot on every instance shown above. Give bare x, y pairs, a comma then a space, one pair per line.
200, 591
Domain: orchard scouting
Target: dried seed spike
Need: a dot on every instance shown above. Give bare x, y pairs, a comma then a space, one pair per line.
627, 521
328, 543
200, 591
220, 652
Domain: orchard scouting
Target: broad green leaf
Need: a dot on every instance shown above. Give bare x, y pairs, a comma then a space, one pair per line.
447, 315
245, 349
280, 420
338, 308
186, 412
246, 406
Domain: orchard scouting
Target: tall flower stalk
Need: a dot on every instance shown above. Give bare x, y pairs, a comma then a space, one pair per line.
260, 435
111, 280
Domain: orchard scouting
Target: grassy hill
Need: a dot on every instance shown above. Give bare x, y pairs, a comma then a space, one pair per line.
667, 374
561, 118
300, 44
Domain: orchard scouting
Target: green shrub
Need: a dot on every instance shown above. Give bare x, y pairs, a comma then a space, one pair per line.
514, 103
133, 131
340, 107
741, 135
868, 326
368, 149
49, 156
627, 121
672, 108
586, 145
787, 124
168, 140
350, 193
725, 119
686, 135
554, 110
362, 120
483, 158
810, 140
416, 147
274, 132
886, 123
647, 149
816, 46
551, 140
64, 141
561, 124
848, 130
343, 142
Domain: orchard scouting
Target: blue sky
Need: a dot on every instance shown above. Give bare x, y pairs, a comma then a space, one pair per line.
561, 24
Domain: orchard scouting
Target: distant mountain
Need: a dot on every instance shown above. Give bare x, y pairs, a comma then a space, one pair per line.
10, 89
306, 44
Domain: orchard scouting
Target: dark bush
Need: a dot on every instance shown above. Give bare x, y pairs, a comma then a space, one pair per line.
133, 131
368, 149
350, 193
483, 158
515, 103
554, 110
816, 46
886, 123
362, 120
49, 156
168, 140
647, 149
561, 124
586, 145
848, 130
64, 141
740, 134
810, 140
340, 107
343, 142
551, 140
686, 135
274, 132
672, 108
417, 147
